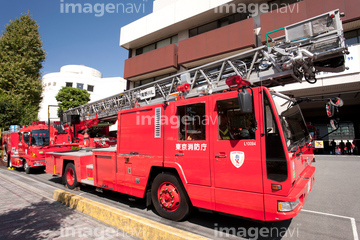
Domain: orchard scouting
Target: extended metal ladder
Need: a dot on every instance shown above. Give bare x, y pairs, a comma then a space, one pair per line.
308, 47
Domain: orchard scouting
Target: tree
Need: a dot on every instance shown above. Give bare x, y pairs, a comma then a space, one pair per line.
70, 97
21, 58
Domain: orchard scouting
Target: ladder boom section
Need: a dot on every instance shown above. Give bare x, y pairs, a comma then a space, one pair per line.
308, 47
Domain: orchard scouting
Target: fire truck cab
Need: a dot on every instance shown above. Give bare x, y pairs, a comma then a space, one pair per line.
34, 141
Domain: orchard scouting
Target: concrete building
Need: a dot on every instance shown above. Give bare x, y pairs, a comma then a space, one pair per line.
183, 34
77, 76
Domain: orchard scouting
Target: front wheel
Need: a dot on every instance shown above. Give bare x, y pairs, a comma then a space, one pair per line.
69, 176
27, 167
170, 198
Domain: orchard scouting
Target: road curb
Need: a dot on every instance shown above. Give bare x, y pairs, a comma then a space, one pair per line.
131, 224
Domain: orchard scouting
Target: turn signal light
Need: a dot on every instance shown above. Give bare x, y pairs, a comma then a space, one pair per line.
275, 187
33, 155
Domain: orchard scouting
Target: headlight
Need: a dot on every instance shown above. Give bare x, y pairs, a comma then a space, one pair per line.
288, 206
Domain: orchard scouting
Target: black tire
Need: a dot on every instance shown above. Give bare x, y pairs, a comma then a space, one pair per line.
176, 211
70, 170
9, 163
27, 167
7, 160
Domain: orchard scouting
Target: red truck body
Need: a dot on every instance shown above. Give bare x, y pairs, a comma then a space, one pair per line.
204, 152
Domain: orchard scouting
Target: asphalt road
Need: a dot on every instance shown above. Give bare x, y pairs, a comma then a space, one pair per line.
332, 210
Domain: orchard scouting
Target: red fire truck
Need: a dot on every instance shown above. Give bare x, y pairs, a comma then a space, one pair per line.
34, 141
208, 138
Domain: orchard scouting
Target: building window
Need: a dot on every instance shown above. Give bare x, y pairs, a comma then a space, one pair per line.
237, 17
352, 37
149, 80
69, 84
54, 83
80, 86
49, 83
90, 88
345, 131
159, 44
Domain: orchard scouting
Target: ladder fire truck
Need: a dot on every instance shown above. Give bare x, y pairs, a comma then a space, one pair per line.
214, 137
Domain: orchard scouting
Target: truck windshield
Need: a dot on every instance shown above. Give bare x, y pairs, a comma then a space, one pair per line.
40, 138
292, 121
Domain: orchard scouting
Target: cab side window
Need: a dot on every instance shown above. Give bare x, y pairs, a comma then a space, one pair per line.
233, 124
192, 122
27, 137
20, 137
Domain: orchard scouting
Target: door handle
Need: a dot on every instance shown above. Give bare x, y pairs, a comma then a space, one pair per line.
179, 154
220, 156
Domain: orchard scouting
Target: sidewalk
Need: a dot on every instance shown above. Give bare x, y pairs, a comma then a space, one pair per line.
26, 214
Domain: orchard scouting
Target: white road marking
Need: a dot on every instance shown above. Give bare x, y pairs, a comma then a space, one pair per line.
352, 220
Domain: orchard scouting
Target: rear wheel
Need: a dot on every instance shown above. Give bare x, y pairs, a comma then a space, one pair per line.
170, 198
27, 167
69, 176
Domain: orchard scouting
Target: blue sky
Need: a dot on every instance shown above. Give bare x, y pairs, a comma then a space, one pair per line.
80, 38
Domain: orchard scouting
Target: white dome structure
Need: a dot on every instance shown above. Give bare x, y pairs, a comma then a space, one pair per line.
77, 76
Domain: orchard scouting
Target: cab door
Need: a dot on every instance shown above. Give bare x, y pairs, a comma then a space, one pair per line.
21, 145
236, 157
191, 149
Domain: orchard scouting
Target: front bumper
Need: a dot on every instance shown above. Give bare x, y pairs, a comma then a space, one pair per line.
300, 191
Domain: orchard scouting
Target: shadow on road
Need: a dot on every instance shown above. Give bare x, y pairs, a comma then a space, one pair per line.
41, 220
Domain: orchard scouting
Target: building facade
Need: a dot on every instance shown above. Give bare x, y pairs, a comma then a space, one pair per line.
183, 34
77, 76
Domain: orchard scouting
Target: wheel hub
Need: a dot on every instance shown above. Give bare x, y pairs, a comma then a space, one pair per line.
70, 176
169, 197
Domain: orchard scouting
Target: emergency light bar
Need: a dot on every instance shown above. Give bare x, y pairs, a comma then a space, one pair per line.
38, 123
236, 82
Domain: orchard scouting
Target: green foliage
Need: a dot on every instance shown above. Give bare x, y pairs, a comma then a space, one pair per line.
70, 97
21, 58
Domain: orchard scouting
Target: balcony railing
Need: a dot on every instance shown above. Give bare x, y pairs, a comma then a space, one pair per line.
161, 59
223, 40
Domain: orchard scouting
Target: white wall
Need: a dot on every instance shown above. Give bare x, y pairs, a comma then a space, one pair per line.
53, 82
165, 15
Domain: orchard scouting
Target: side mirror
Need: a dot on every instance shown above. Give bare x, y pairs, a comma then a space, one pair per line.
334, 124
245, 101
337, 102
332, 106
330, 109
